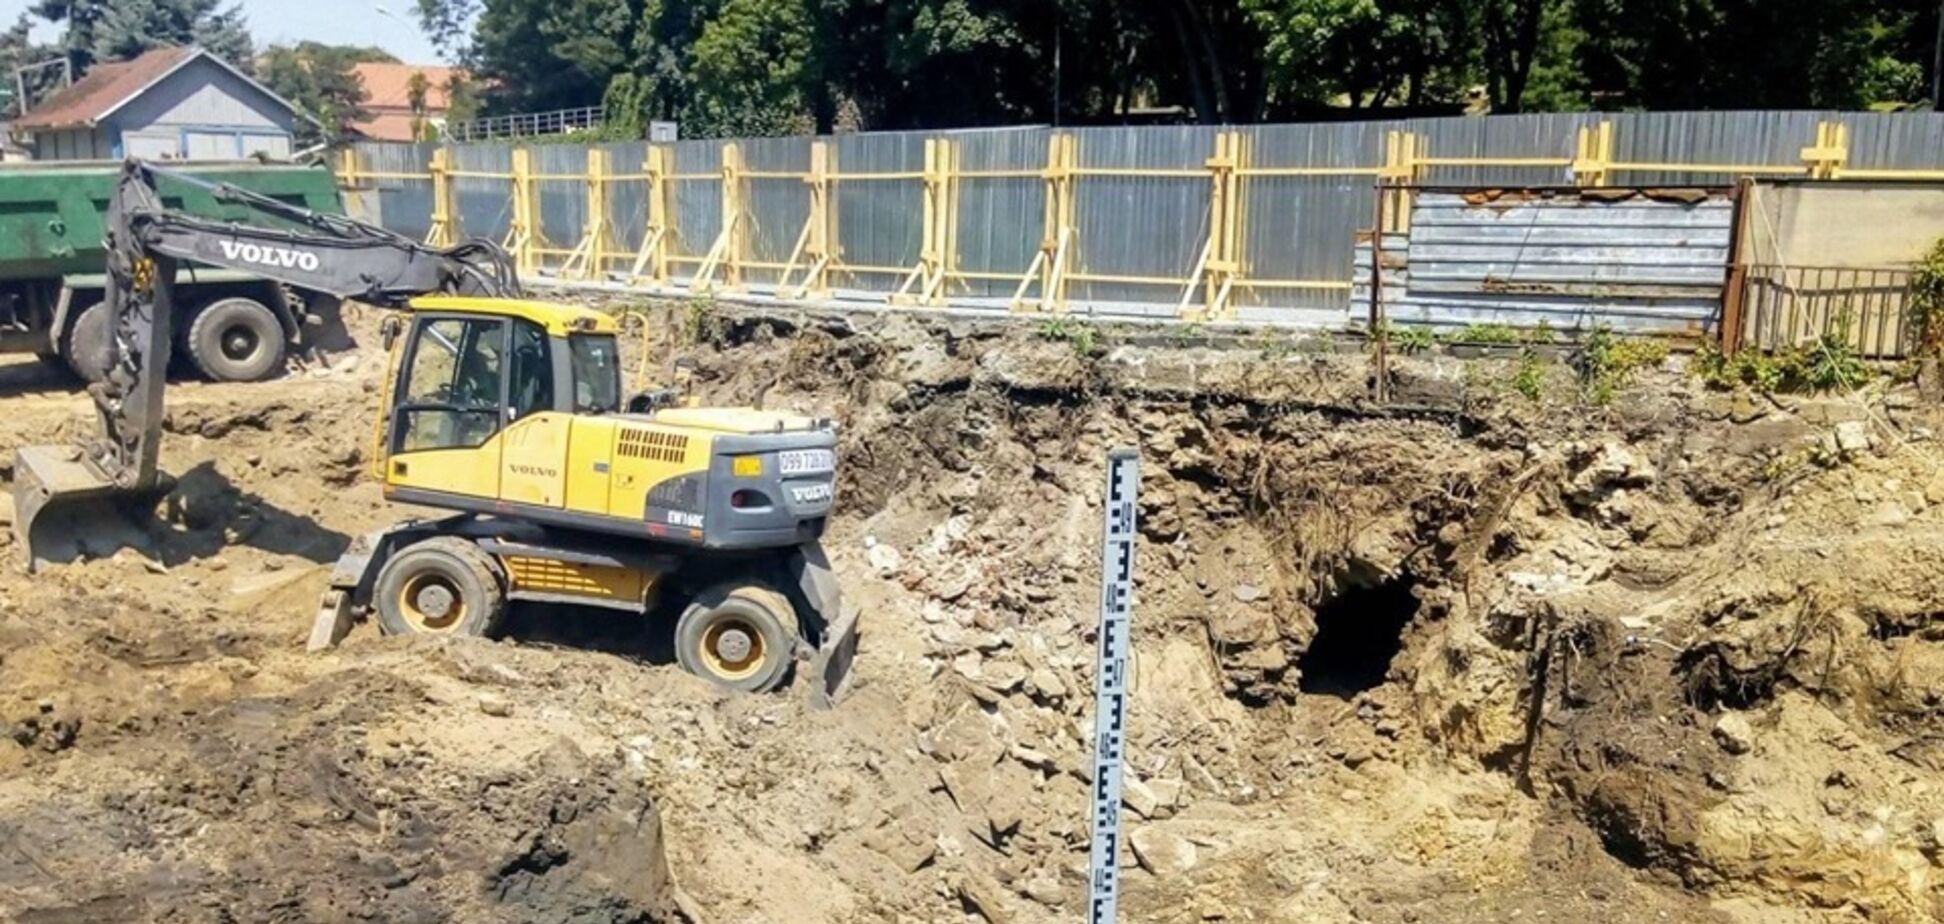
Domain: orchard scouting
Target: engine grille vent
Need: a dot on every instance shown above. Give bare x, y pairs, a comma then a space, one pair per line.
654, 445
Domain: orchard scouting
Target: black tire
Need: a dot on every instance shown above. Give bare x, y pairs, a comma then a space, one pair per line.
236, 340
740, 636
89, 344
442, 586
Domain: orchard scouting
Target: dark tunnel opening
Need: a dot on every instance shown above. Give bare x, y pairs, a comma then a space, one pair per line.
1358, 633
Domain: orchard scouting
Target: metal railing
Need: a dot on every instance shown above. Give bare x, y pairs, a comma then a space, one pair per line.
527, 124
1789, 306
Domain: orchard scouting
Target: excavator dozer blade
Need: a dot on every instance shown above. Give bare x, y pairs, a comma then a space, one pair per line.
830, 663
831, 666
64, 507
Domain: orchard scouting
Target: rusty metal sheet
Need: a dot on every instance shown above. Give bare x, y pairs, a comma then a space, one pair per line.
1522, 258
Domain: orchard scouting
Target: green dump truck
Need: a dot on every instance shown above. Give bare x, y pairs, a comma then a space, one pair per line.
235, 327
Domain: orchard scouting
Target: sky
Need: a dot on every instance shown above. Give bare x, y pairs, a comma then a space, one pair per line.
337, 22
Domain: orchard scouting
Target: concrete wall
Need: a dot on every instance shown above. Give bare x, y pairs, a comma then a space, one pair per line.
1847, 223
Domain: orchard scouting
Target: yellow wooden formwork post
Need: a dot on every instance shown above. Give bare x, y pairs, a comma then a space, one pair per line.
813, 243
732, 215
444, 231
522, 233
1403, 168
941, 181
348, 168
1825, 159
1593, 157
601, 233
1215, 270
927, 229
726, 254
925, 284
1056, 221
949, 222
1062, 159
651, 258
589, 256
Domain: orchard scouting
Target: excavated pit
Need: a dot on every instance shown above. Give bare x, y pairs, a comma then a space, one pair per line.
1461, 657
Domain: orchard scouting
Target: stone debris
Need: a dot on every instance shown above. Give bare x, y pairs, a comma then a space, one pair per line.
1161, 852
1734, 734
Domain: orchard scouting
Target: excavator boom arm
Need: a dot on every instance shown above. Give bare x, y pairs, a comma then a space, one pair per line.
313, 252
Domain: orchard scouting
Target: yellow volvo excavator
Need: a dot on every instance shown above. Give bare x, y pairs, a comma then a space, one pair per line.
509, 414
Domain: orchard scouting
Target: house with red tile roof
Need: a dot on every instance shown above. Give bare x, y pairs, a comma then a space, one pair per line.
388, 99
167, 104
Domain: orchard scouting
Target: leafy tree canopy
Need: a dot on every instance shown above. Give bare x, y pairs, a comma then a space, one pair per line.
769, 66
318, 79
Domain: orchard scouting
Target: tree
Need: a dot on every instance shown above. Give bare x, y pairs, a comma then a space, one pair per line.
320, 81
18, 49
417, 88
462, 98
116, 30
80, 19
761, 66
448, 24
1707, 54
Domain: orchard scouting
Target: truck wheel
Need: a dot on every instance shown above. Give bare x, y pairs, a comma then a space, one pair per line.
236, 340
442, 586
89, 344
741, 636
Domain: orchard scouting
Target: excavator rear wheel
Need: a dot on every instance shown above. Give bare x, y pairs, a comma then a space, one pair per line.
236, 340
741, 636
442, 586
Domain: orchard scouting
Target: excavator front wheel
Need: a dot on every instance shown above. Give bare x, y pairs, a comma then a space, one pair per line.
442, 586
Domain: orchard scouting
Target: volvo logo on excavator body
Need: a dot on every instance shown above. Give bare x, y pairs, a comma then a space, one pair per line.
265, 255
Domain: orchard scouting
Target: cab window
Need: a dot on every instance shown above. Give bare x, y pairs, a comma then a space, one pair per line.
451, 393
597, 373
532, 388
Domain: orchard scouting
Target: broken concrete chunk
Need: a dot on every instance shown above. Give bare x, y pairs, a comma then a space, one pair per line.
884, 559
1734, 734
495, 705
1852, 436
1139, 797
981, 894
1162, 852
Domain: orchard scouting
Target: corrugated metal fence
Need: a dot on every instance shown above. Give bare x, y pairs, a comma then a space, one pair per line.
1254, 223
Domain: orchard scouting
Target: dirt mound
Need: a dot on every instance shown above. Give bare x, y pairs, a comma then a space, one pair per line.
1458, 658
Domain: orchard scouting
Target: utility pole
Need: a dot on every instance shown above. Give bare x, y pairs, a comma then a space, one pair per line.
1056, 65
20, 79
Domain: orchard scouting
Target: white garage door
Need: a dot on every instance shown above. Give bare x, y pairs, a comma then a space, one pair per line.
275, 147
210, 146
151, 145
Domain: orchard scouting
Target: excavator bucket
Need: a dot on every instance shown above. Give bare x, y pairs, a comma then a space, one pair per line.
65, 507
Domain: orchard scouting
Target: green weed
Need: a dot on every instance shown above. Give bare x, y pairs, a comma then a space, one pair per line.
1529, 376
1606, 363
1829, 362
1084, 338
1926, 307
